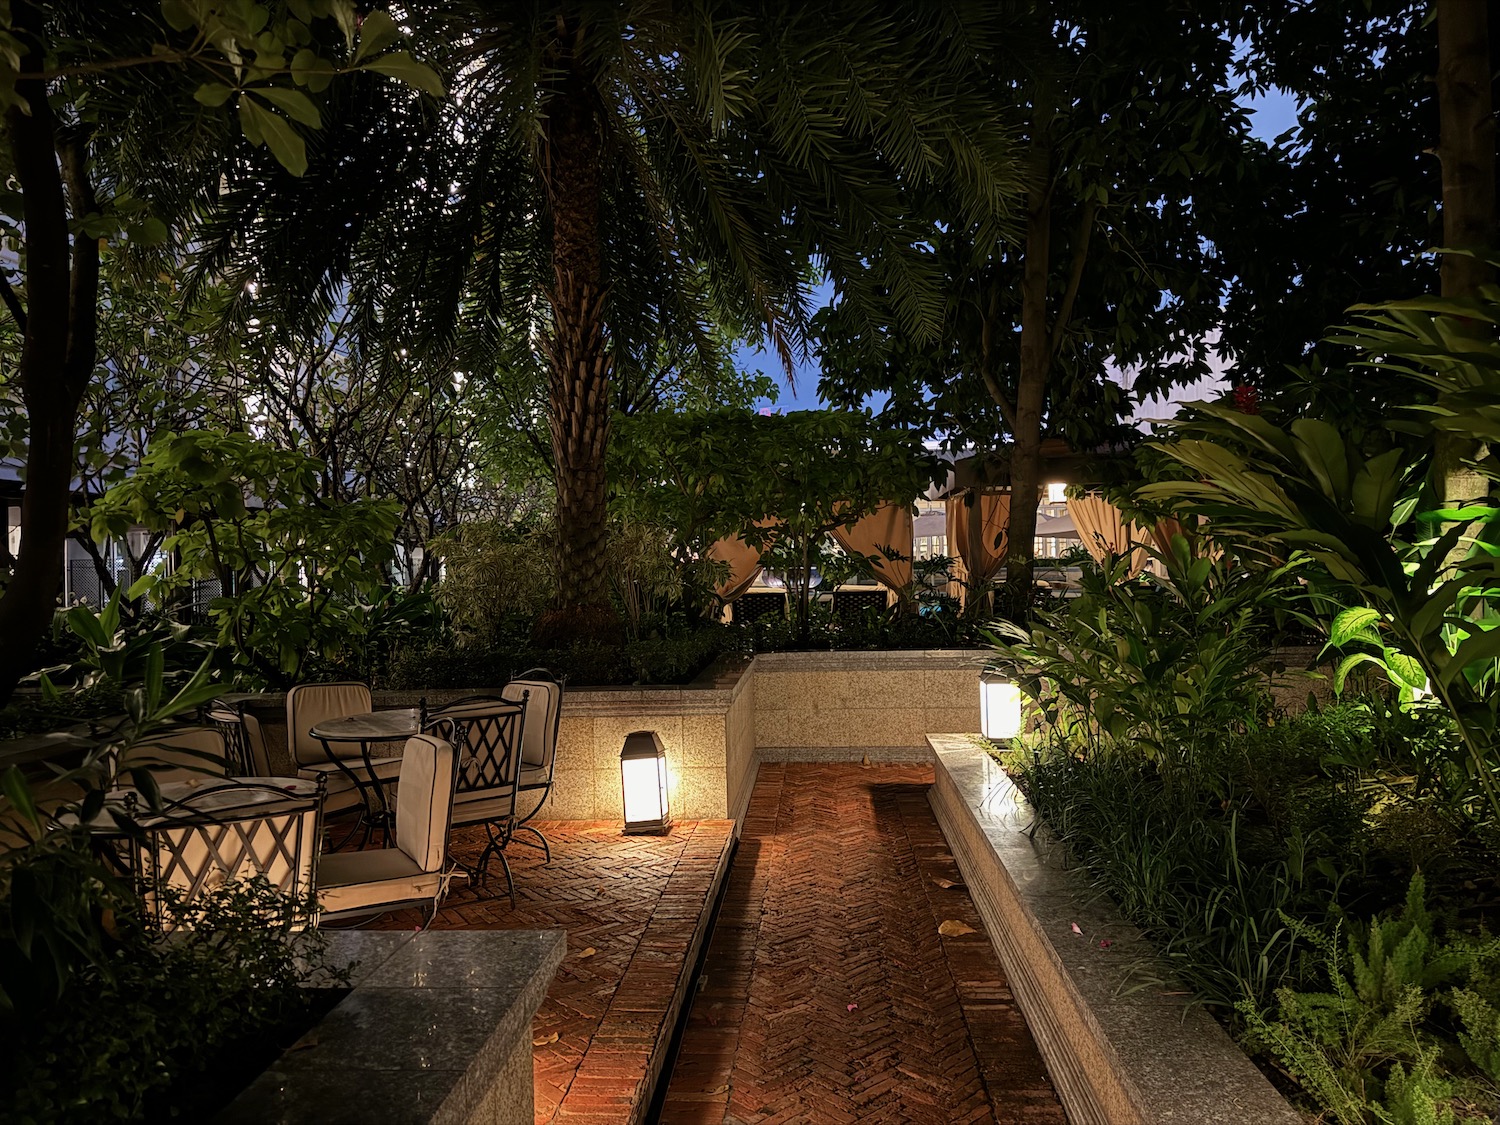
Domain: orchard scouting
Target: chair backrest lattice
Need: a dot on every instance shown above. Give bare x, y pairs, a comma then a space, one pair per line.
489, 732
230, 723
197, 850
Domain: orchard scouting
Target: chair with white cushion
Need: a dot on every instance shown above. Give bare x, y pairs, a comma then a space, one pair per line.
489, 732
341, 763
411, 873
543, 696
177, 755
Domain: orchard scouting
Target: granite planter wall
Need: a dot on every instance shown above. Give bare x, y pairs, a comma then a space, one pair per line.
436, 1030
805, 705
852, 705
1117, 1053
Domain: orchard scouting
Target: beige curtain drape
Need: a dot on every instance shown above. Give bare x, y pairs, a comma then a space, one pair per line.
744, 565
1104, 533
888, 527
995, 509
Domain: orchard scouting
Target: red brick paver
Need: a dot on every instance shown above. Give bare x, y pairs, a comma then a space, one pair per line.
829, 994
633, 907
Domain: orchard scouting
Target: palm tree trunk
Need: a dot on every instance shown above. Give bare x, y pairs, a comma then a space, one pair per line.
579, 362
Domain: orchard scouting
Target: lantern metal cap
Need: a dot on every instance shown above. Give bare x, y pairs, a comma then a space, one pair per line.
642, 744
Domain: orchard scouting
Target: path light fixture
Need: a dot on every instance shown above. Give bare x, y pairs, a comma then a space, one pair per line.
643, 777
999, 707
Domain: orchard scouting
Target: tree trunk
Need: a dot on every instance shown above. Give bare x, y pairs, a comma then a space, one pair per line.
579, 359
57, 356
1035, 365
1466, 144
1466, 148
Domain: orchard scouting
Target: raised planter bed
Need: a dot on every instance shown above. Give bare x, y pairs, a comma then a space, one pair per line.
437, 1029
1118, 1053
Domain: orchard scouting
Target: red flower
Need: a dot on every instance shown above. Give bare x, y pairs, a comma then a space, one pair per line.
1246, 399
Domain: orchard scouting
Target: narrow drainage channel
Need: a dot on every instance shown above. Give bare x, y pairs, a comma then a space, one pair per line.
669, 1064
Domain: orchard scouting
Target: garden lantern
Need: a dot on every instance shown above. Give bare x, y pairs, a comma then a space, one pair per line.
999, 707
643, 777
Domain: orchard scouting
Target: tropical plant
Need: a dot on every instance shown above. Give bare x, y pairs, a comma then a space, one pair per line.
79, 82
296, 575
1163, 665
1424, 604
623, 175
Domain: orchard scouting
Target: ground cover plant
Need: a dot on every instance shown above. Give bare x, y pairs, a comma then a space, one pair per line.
1325, 880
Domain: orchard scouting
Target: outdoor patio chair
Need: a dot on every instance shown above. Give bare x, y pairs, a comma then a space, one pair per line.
225, 832
542, 692
179, 755
351, 884
243, 739
341, 764
489, 732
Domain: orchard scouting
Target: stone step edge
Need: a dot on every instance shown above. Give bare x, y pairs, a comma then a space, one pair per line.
1117, 1053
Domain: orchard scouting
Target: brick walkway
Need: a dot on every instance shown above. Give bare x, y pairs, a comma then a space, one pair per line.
632, 906
830, 996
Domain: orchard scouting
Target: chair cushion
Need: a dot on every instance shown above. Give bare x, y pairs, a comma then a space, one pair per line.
534, 777
181, 755
542, 705
372, 879
307, 705
386, 769
481, 806
425, 800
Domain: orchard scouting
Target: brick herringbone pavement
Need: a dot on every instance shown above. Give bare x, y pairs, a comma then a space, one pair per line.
632, 906
829, 994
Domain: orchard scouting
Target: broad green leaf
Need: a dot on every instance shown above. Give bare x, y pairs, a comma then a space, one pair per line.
278, 134
312, 71
295, 104
376, 32
1477, 647
1405, 670
1320, 447
401, 66
1348, 664
213, 94
1351, 623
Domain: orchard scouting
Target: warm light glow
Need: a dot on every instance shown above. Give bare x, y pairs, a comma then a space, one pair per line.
643, 777
1057, 492
999, 707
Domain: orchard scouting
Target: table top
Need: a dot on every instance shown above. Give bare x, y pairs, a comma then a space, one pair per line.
373, 726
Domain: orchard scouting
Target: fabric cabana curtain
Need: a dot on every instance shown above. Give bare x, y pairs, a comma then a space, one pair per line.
744, 565
888, 527
1104, 532
995, 514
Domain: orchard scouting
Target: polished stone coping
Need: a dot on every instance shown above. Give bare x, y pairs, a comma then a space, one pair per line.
1122, 1043
436, 1029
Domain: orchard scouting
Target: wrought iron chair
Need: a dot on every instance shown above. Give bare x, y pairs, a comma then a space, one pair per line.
244, 740
542, 693
351, 884
227, 831
489, 732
